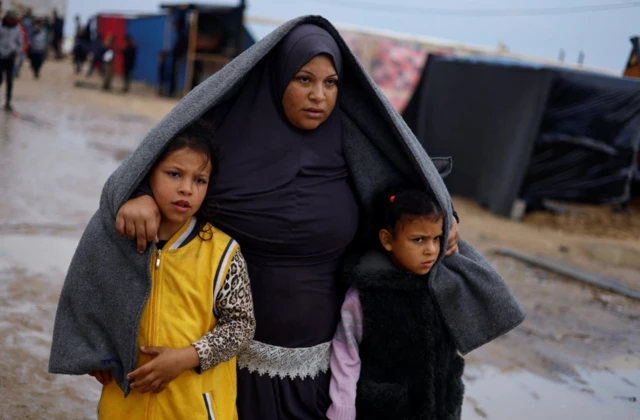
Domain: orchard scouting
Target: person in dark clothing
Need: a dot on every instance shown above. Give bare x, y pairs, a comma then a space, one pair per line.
162, 73
80, 47
284, 189
97, 50
10, 47
129, 54
37, 47
79, 57
393, 356
57, 26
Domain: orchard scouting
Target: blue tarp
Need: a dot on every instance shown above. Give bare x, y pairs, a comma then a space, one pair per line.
148, 32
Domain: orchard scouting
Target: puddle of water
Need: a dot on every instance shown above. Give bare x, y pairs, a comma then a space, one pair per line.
31, 119
593, 395
53, 253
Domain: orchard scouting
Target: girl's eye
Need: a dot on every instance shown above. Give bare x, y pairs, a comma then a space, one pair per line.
418, 240
201, 181
173, 174
437, 239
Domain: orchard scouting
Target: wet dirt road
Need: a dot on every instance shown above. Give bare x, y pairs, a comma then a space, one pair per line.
577, 356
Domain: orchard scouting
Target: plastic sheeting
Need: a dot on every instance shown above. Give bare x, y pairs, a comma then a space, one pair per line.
588, 144
529, 131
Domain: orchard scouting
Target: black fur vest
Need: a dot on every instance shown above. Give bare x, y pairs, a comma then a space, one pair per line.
410, 366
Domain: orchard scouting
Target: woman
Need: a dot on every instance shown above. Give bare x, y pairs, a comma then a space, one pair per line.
298, 172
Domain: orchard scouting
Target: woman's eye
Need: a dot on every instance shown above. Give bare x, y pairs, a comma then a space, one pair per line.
332, 82
303, 79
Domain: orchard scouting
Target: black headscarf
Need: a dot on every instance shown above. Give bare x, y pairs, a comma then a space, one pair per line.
267, 164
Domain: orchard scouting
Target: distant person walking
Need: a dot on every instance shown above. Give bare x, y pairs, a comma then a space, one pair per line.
108, 57
57, 26
81, 46
129, 54
27, 21
23, 52
37, 47
10, 47
97, 51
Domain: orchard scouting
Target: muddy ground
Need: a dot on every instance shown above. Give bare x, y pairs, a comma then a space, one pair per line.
577, 356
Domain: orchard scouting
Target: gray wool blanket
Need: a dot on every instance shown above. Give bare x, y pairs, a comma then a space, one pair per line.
108, 282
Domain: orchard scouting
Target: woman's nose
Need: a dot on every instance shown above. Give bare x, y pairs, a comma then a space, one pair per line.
317, 93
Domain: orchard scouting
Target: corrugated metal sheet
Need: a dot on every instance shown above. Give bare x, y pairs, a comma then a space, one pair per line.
148, 34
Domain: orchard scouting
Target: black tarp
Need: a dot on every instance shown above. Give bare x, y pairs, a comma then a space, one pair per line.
534, 132
587, 148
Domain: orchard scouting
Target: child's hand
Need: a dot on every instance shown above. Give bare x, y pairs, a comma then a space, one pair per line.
168, 364
104, 377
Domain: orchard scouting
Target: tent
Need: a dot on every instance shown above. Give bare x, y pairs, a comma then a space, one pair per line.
205, 38
520, 130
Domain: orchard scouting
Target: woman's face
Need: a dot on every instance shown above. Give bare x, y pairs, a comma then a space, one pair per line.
311, 96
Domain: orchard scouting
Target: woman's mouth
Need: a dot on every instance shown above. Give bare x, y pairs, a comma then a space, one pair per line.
314, 113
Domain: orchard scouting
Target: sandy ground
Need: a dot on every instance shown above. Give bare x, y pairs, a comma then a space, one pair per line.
577, 356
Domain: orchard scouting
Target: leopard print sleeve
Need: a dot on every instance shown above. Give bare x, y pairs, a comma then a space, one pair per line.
236, 324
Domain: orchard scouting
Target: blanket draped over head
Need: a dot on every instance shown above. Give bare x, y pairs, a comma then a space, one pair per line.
108, 282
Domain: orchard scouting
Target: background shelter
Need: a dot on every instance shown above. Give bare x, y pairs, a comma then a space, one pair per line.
194, 41
520, 130
205, 38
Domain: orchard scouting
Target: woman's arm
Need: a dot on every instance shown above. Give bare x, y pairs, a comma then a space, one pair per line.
453, 238
345, 359
236, 324
138, 219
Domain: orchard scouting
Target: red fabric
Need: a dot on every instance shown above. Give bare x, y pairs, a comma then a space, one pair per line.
115, 26
25, 39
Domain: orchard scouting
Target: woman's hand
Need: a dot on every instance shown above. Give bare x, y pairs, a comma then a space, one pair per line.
164, 368
454, 237
104, 377
138, 219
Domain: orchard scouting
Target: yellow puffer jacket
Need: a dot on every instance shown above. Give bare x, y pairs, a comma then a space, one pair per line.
185, 280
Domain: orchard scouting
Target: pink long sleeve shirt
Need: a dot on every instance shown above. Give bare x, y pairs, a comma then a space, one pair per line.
345, 359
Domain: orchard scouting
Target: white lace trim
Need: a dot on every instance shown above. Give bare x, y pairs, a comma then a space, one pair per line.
285, 362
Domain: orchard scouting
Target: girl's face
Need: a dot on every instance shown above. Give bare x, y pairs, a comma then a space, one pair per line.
416, 244
311, 96
179, 185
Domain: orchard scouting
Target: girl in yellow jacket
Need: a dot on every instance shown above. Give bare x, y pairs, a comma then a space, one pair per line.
199, 312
